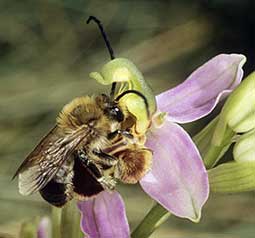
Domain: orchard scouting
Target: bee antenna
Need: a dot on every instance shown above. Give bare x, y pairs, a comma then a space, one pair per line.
108, 45
113, 90
107, 42
138, 94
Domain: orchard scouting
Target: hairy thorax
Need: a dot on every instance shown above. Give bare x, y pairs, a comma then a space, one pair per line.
85, 115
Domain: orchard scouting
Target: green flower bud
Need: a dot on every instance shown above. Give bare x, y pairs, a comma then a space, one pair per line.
238, 113
244, 149
123, 71
232, 177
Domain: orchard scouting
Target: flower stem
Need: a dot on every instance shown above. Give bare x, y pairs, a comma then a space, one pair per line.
27, 230
215, 153
210, 152
56, 220
70, 221
155, 217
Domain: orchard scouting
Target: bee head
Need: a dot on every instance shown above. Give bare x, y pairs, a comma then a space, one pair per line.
110, 108
115, 113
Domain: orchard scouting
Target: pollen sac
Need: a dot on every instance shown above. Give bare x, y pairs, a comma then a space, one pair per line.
133, 165
238, 113
125, 73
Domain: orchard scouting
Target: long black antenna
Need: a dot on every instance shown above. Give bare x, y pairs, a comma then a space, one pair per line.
108, 45
107, 42
138, 94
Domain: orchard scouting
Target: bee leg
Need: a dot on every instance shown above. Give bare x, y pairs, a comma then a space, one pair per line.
107, 159
107, 182
84, 158
124, 133
89, 164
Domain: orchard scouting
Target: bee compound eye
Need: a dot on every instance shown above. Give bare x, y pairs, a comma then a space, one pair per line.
115, 113
119, 114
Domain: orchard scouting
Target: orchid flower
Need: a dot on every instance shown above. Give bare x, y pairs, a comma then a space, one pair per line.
178, 179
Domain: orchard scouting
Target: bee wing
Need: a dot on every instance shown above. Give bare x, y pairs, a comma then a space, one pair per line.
48, 156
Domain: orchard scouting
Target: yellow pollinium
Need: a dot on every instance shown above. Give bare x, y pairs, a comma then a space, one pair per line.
125, 73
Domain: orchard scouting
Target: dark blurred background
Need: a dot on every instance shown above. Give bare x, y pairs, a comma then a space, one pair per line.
47, 52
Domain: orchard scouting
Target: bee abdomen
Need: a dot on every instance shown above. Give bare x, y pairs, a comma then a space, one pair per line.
59, 190
84, 183
55, 193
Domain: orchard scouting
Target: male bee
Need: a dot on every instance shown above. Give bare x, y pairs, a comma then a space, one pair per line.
92, 144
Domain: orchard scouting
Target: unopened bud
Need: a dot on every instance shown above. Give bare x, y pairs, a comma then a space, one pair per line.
244, 149
232, 177
238, 113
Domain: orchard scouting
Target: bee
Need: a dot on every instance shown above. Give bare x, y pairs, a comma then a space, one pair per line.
92, 145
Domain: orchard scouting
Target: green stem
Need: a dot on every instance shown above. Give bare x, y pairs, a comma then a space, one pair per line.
210, 152
28, 230
155, 217
56, 220
212, 156
70, 221
215, 153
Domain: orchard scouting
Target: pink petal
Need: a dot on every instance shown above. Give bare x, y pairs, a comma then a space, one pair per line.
104, 216
198, 95
178, 179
